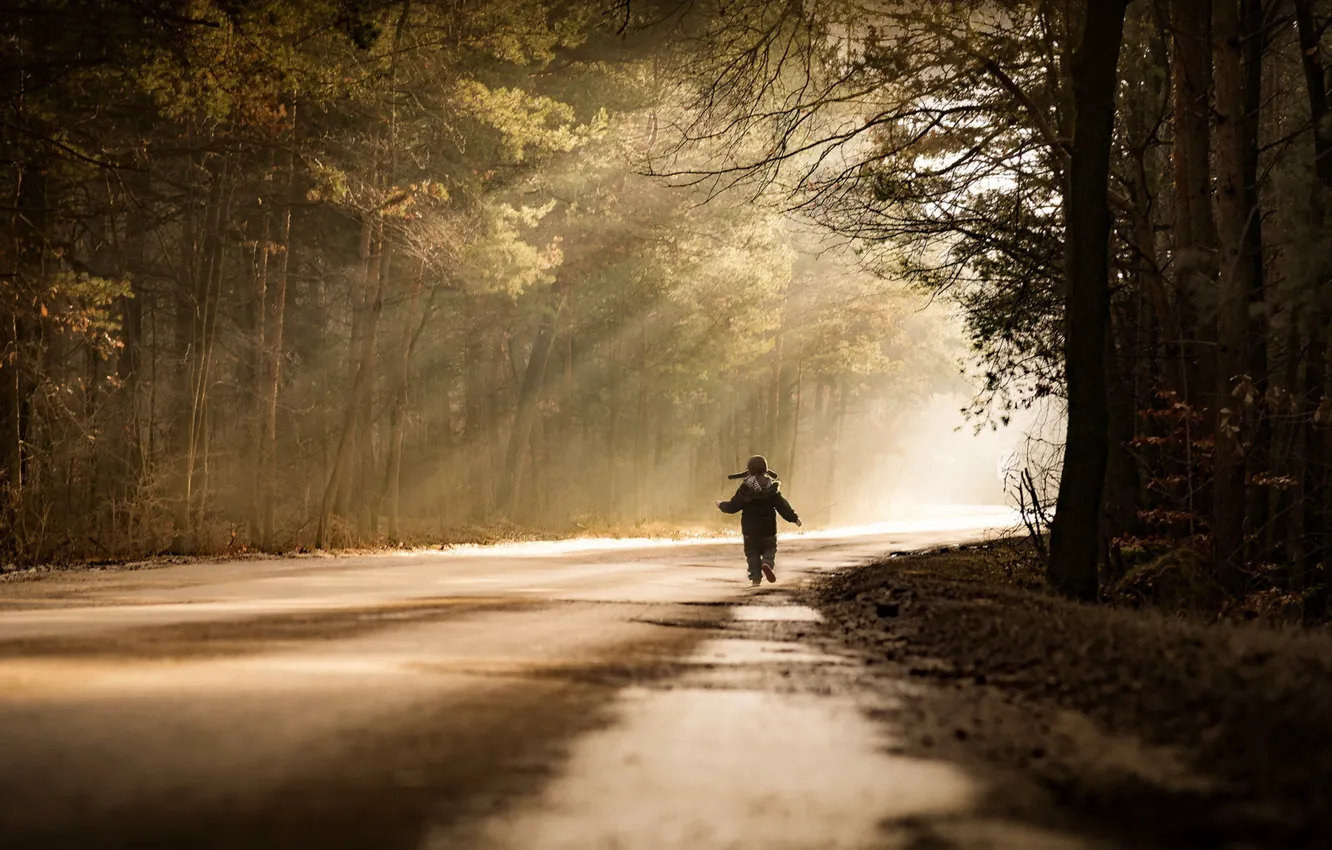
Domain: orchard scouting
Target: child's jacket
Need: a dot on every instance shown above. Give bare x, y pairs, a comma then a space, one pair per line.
758, 500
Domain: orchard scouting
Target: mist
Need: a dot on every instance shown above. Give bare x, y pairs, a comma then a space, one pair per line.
424, 286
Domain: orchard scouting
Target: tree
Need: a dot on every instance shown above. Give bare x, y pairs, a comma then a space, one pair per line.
1075, 537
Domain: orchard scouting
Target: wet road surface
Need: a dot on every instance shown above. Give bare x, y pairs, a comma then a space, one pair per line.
584, 695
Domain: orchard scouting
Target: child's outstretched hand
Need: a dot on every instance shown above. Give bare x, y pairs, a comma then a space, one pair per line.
800, 524
717, 502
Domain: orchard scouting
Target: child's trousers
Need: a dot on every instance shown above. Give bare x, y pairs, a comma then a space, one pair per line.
757, 549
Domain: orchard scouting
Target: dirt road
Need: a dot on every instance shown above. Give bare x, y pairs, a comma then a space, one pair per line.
588, 695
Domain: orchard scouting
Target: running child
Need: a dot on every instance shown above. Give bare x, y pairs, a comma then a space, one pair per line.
759, 500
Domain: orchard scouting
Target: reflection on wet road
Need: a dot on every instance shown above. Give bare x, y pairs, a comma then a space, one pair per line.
589, 695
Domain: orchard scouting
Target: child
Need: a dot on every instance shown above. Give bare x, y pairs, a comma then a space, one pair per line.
758, 500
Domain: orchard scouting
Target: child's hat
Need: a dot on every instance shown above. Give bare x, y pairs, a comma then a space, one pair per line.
757, 465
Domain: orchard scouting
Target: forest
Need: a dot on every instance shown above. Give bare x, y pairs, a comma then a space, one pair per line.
326, 274
331, 273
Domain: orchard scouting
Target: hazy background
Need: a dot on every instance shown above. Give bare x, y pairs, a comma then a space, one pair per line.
415, 275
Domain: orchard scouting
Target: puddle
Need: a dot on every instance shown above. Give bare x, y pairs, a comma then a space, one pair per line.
202, 636
777, 613
726, 769
999, 835
741, 651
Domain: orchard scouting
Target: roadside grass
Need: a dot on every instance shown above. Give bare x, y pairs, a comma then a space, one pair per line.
1007, 561
1177, 583
228, 543
1245, 704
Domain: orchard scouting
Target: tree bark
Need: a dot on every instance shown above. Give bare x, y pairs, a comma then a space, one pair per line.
1235, 291
525, 415
367, 501
273, 357
1121, 483
837, 410
360, 387
1074, 545
398, 406
26, 250
208, 289
1316, 83
771, 435
794, 438
256, 370
478, 426
1194, 230
1317, 447
1253, 36
641, 457
360, 312
191, 293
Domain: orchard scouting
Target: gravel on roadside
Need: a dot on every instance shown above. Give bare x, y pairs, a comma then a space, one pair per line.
1161, 732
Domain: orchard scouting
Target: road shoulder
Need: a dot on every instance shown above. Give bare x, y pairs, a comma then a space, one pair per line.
1143, 728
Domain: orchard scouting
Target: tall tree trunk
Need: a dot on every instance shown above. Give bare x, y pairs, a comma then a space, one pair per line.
794, 437
361, 302
343, 458
26, 251
398, 406
1318, 448
1145, 155
614, 400
494, 439
208, 288
187, 349
255, 371
641, 456
1235, 292
273, 356
533, 378
1253, 36
23, 361
1194, 230
837, 410
478, 428
1316, 83
771, 434
1121, 481
129, 367
367, 495
642, 449
1074, 544
1314, 459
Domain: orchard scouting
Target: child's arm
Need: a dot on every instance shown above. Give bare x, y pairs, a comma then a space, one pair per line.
735, 504
788, 513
